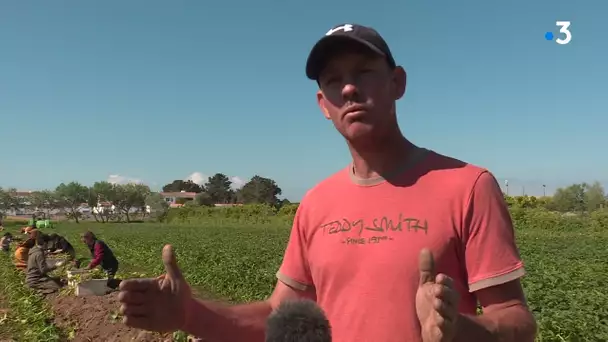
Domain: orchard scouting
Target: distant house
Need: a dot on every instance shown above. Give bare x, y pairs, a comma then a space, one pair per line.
172, 197
24, 199
22, 194
103, 207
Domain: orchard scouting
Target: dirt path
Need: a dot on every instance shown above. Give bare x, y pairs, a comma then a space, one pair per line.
93, 318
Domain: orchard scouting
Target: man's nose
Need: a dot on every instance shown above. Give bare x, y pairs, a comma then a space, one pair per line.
349, 91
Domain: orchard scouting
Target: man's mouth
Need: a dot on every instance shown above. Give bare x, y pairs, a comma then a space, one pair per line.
354, 111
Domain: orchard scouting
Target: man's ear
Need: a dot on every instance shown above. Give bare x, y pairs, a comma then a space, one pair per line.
321, 103
399, 82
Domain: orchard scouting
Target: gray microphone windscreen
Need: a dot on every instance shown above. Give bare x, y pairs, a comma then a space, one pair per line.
298, 321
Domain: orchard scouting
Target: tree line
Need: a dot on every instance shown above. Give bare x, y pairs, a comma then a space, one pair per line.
575, 198
120, 202
218, 190
114, 201
132, 199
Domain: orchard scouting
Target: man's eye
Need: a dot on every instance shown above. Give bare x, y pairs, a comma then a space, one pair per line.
331, 80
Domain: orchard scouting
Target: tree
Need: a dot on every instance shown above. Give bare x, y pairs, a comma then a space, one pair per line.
72, 196
7, 201
578, 198
158, 205
142, 192
36, 201
218, 188
182, 200
203, 199
44, 201
130, 196
93, 203
179, 185
569, 199
260, 190
102, 192
2, 205
284, 202
595, 197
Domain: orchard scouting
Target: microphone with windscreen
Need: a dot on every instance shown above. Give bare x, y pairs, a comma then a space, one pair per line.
298, 321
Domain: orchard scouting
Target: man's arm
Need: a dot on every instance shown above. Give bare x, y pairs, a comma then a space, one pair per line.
59, 247
217, 322
494, 268
63, 246
220, 322
98, 256
505, 316
43, 266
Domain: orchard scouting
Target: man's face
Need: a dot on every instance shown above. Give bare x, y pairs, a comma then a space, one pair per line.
358, 91
86, 239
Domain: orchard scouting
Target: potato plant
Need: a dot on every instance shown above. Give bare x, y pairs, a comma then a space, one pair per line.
29, 316
236, 258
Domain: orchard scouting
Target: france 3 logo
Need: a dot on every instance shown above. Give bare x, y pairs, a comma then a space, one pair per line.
564, 36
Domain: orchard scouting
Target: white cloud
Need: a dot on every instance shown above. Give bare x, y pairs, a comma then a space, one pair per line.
118, 179
237, 182
201, 178
198, 178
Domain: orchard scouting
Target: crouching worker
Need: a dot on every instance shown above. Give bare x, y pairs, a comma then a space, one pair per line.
5, 242
33, 233
57, 244
102, 256
38, 268
21, 253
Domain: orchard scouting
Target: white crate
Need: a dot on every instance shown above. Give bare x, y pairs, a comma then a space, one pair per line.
72, 275
93, 287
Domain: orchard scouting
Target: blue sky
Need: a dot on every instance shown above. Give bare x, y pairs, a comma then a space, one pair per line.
158, 90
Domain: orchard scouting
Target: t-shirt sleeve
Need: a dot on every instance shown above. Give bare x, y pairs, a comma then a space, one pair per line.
97, 255
491, 255
294, 270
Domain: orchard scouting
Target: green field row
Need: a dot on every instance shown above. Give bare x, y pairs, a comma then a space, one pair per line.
565, 257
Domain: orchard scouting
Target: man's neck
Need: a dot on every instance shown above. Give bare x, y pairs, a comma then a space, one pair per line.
380, 159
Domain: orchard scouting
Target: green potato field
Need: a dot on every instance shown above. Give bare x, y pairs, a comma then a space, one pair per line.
566, 260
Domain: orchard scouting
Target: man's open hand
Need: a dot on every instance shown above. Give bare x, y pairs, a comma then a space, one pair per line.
157, 304
436, 302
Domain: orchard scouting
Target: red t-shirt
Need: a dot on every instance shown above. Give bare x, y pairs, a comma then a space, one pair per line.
356, 242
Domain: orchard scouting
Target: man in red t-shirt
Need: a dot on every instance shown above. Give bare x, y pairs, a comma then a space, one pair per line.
400, 245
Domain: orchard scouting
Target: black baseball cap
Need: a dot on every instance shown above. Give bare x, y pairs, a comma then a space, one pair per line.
353, 33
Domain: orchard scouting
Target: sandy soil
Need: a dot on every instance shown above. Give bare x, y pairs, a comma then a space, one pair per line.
94, 318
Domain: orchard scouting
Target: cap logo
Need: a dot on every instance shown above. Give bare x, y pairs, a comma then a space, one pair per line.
345, 28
